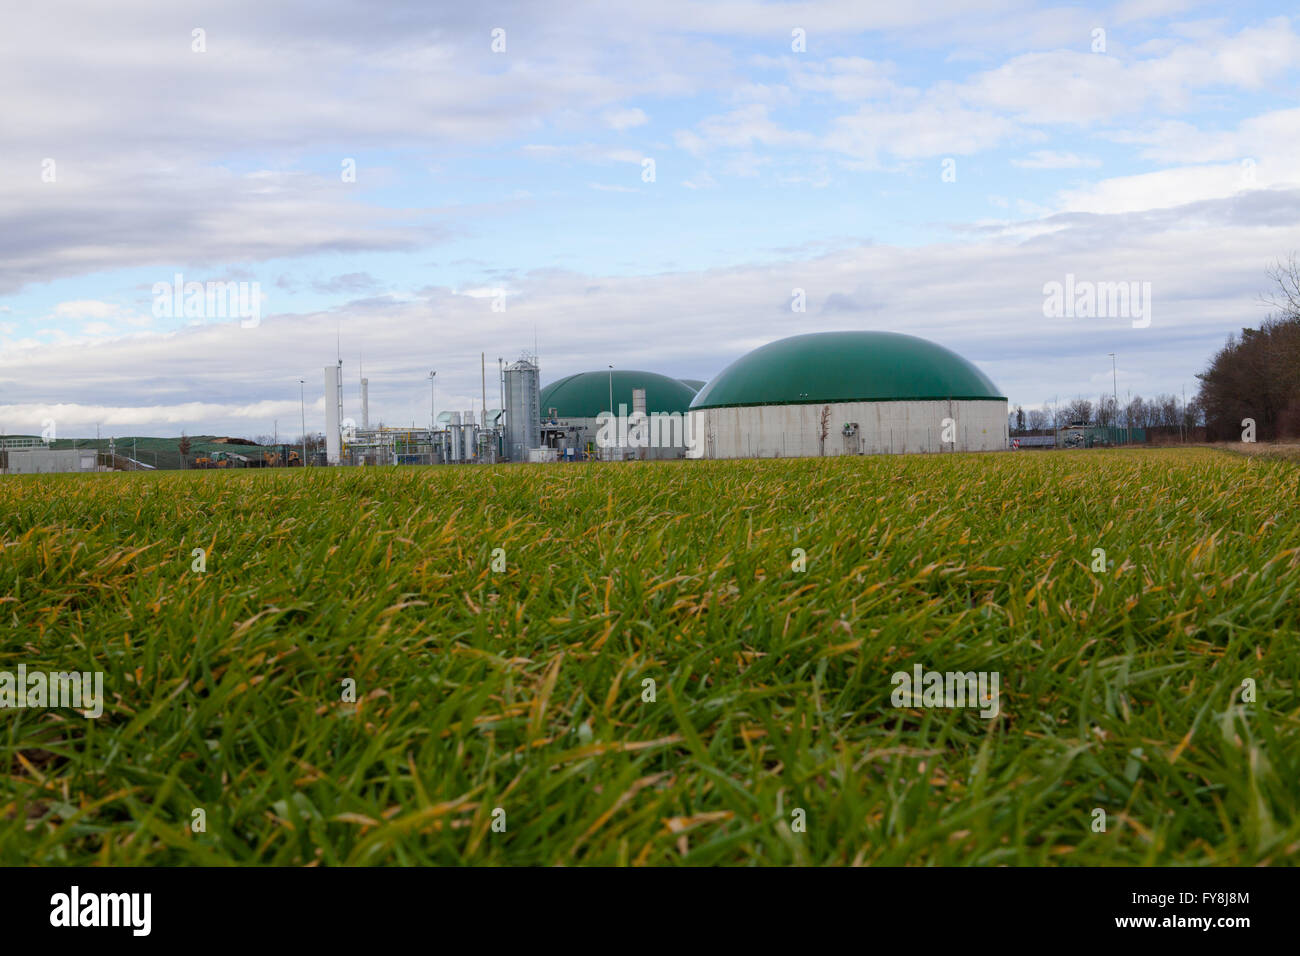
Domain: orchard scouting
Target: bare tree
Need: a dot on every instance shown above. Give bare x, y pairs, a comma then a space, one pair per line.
1078, 410
183, 446
825, 428
1107, 410
1286, 297
1133, 413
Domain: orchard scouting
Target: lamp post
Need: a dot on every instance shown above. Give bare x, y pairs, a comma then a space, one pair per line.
433, 421
433, 376
1114, 389
611, 401
302, 407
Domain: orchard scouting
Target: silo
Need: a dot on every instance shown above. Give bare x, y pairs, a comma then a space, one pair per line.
523, 409
453, 435
467, 430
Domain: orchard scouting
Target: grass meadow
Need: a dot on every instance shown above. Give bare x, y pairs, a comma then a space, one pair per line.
1161, 690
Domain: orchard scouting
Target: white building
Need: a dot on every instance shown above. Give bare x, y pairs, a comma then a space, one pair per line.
45, 461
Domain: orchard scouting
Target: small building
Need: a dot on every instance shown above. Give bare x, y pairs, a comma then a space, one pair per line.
47, 461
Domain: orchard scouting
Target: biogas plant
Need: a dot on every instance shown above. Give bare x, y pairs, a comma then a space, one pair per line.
819, 394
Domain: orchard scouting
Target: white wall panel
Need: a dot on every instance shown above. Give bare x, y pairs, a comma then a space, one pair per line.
794, 431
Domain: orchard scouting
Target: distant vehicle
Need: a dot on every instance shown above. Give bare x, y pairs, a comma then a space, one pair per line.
273, 459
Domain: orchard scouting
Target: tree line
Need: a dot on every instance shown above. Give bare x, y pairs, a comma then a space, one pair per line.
1162, 411
1256, 375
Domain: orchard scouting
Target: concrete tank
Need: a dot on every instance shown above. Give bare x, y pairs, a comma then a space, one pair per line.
523, 409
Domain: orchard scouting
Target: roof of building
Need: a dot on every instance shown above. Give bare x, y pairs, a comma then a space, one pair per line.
824, 367
587, 394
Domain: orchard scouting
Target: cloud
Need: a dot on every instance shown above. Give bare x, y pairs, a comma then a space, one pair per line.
1079, 88
741, 128
120, 214
621, 119
350, 283
1050, 159
873, 137
982, 298
89, 309
845, 78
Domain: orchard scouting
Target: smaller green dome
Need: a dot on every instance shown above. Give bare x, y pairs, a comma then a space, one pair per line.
586, 394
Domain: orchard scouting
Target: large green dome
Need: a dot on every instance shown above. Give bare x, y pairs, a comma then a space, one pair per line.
586, 394
824, 367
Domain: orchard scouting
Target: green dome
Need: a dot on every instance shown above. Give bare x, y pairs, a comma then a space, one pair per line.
586, 394
824, 367
695, 383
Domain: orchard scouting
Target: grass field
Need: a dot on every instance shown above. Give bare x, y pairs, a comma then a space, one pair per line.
522, 689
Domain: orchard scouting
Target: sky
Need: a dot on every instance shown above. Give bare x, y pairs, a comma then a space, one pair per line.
664, 186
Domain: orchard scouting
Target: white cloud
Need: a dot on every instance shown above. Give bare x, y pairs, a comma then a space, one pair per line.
88, 309
1082, 88
927, 130
845, 78
982, 297
621, 119
1050, 159
741, 128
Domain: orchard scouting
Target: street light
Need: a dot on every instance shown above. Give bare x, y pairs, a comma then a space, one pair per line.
433, 375
302, 407
611, 399
433, 421
1115, 390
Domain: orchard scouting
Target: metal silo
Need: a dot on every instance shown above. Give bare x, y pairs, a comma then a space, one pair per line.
523, 409
467, 430
453, 434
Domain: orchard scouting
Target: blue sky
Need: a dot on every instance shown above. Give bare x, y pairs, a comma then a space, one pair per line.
1166, 151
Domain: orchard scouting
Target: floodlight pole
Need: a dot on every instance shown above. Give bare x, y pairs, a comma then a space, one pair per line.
1114, 384
302, 407
433, 420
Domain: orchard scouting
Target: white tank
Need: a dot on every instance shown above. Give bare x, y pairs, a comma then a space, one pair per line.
333, 412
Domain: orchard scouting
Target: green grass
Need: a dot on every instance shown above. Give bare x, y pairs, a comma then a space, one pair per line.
522, 689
